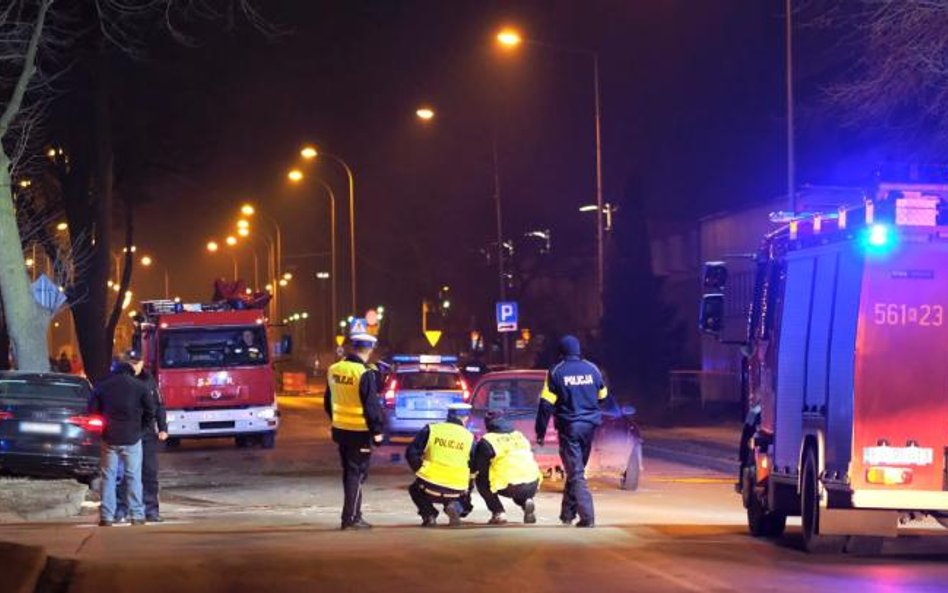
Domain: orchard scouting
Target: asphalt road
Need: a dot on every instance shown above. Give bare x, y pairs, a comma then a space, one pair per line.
252, 520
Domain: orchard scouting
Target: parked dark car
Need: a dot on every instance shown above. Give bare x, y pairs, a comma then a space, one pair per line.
45, 430
618, 444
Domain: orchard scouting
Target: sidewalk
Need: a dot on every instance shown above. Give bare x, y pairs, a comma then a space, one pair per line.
712, 447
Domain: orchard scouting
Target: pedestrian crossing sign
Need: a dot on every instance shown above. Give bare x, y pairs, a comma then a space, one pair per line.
358, 326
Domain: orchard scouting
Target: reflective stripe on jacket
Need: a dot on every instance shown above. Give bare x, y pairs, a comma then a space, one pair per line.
343, 381
513, 461
447, 456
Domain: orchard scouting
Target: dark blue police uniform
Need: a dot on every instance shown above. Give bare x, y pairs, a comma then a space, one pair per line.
572, 394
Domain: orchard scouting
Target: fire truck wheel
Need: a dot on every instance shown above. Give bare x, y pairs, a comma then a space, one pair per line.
813, 541
268, 440
761, 522
172, 443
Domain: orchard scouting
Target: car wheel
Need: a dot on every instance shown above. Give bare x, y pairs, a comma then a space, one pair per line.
630, 477
813, 541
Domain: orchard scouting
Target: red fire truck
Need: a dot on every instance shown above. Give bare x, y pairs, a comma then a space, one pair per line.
214, 369
845, 369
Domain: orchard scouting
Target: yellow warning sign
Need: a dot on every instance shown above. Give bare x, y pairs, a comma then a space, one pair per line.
433, 335
340, 340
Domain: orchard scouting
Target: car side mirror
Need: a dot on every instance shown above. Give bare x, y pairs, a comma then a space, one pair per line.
711, 318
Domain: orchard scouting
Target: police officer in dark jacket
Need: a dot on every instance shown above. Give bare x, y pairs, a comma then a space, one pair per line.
572, 394
352, 402
152, 433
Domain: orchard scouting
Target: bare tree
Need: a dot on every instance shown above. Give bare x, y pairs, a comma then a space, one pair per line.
22, 29
895, 75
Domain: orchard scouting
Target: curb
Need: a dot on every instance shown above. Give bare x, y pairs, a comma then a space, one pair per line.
22, 567
703, 459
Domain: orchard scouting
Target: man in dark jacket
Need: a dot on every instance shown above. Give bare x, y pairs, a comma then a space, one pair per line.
352, 402
126, 405
152, 434
572, 394
504, 465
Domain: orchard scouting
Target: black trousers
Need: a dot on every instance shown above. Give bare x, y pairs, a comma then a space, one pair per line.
575, 446
426, 495
149, 479
354, 456
520, 493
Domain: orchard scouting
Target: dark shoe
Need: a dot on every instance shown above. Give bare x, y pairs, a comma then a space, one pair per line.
357, 525
121, 520
529, 512
138, 522
429, 521
454, 517
585, 523
569, 521
104, 523
497, 519
154, 519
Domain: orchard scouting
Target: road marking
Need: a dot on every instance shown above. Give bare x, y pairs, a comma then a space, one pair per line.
692, 480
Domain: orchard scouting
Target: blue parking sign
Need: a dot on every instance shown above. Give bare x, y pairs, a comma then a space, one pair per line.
507, 316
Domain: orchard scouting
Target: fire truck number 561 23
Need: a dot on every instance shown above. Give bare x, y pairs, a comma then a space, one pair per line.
900, 314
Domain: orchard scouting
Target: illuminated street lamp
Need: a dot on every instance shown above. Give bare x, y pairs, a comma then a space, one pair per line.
231, 240
243, 224
212, 246
319, 275
283, 282
309, 152
509, 38
62, 227
295, 175
287, 276
147, 261
243, 232
425, 113
247, 210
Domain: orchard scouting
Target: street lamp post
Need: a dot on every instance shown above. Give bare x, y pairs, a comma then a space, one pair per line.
510, 38
310, 153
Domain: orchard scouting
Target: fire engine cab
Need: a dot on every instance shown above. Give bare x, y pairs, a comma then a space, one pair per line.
845, 369
214, 370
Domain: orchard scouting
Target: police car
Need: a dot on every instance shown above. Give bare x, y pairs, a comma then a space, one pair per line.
419, 390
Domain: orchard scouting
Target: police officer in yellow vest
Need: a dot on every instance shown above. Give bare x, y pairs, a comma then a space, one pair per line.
441, 457
504, 464
352, 402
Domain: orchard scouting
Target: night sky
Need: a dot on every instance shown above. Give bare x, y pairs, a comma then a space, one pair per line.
692, 95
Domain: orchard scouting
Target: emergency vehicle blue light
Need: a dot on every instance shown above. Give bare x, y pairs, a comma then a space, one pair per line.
879, 239
424, 358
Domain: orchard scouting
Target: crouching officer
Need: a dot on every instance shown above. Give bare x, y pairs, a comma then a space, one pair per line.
352, 402
572, 394
505, 466
441, 457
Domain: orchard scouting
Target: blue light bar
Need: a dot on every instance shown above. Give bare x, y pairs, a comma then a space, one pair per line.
424, 358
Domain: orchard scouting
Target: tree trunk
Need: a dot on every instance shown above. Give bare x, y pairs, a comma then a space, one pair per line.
27, 323
4, 342
127, 265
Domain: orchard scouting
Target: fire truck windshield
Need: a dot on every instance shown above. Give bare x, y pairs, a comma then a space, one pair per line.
212, 347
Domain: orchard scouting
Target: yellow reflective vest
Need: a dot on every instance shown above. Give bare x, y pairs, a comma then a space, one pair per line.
343, 380
513, 461
447, 457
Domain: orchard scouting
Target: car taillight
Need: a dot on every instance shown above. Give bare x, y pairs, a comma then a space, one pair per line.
390, 393
465, 392
89, 423
6, 415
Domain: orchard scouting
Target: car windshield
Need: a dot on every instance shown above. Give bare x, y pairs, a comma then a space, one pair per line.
508, 394
429, 380
219, 347
42, 389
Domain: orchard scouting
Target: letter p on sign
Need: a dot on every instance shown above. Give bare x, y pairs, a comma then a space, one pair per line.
507, 316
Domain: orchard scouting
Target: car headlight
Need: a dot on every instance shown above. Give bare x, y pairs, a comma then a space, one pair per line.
267, 414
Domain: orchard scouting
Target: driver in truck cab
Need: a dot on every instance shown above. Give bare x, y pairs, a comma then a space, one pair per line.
247, 349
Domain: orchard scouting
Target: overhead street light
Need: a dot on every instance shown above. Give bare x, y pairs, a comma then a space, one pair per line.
309, 153
295, 175
212, 246
425, 113
231, 240
509, 37
62, 226
146, 260
243, 223
243, 232
322, 275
